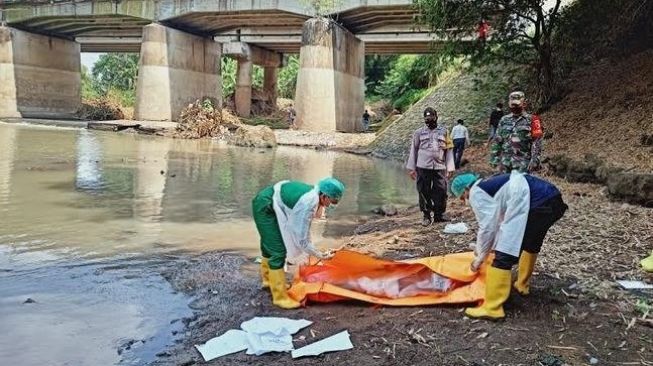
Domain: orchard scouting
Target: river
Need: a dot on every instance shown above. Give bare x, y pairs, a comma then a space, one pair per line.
88, 220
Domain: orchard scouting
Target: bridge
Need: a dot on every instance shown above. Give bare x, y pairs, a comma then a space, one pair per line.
181, 42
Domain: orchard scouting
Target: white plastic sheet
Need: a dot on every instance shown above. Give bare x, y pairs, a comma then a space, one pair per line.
635, 285
232, 341
337, 342
267, 334
459, 228
258, 336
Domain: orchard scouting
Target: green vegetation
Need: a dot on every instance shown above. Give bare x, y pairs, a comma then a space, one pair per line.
286, 82
113, 77
321, 8
521, 33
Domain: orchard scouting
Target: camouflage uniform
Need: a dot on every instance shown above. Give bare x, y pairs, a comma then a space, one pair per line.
515, 145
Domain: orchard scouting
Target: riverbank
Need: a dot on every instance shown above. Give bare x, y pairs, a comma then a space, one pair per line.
573, 295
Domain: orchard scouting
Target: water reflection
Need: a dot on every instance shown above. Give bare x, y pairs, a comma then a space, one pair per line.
89, 173
105, 194
7, 149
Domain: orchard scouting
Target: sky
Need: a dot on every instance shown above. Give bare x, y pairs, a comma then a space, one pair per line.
88, 59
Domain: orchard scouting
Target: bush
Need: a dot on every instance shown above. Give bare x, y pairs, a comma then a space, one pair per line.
100, 109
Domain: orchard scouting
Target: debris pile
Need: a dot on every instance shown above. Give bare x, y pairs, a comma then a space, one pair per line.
100, 109
201, 119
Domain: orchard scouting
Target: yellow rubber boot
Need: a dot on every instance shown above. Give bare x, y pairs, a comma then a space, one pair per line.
497, 290
524, 272
278, 288
647, 263
265, 273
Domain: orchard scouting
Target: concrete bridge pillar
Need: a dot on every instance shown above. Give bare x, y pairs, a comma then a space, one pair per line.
175, 69
248, 56
270, 77
39, 75
330, 86
243, 91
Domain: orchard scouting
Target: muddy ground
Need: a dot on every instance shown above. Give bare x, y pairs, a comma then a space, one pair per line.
576, 315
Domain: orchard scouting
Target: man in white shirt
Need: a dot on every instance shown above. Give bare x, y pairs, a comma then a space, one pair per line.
460, 136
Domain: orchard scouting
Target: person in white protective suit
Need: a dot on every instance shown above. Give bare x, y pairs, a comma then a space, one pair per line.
283, 214
514, 212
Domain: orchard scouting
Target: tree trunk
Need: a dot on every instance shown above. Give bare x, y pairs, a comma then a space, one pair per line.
546, 75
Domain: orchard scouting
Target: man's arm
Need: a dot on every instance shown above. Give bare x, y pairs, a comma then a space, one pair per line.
448, 155
537, 134
411, 163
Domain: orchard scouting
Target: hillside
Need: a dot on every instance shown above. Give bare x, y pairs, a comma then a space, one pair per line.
609, 106
462, 94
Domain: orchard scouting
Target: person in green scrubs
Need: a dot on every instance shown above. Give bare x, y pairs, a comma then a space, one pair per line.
283, 213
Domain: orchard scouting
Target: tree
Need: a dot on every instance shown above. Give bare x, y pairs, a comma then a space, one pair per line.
116, 71
322, 8
521, 32
376, 70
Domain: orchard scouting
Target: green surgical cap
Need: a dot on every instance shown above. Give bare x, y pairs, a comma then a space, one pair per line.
461, 182
332, 188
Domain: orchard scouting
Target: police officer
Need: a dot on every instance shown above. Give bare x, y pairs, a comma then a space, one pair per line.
431, 163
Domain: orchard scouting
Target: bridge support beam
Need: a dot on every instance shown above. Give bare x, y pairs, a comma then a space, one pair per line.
175, 69
330, 86
243, 90
39, 75
270, 77
247, 56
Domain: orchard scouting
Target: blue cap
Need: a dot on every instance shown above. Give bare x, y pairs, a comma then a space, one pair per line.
461, 182
332, 188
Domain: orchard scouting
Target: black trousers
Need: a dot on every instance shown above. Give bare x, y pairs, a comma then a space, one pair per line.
432, 189
540, 220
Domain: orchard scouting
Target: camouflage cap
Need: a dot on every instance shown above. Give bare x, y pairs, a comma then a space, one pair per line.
516, 98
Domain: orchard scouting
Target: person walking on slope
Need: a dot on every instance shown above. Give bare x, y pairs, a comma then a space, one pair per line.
430, 163
518, 141
283, 214
460, 136
495, 117
514, 212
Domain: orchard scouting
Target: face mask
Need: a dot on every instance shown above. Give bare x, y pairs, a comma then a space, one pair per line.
331, 208
432, 124
516, 110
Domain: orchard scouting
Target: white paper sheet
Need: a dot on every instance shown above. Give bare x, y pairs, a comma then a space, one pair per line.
635, 285
337, 342
459, 228
234, 340
258, 336
267, 334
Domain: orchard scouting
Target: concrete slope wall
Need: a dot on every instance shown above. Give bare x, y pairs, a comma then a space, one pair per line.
463, 94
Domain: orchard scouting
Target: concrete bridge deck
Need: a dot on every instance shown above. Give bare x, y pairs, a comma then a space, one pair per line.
386, 26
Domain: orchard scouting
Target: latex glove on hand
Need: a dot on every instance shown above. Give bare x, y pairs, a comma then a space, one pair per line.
476, 265
328, 254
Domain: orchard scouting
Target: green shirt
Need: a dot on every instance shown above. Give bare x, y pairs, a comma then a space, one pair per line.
292, 191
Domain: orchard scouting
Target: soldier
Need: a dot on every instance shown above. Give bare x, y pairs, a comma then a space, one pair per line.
518, 139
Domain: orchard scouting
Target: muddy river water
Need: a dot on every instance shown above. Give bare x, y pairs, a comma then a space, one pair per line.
89, 219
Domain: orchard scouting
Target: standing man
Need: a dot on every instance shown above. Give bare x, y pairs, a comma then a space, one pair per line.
430, 163
495, 117
460, 136
514, 213
518, 140
366, 120
291, 117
